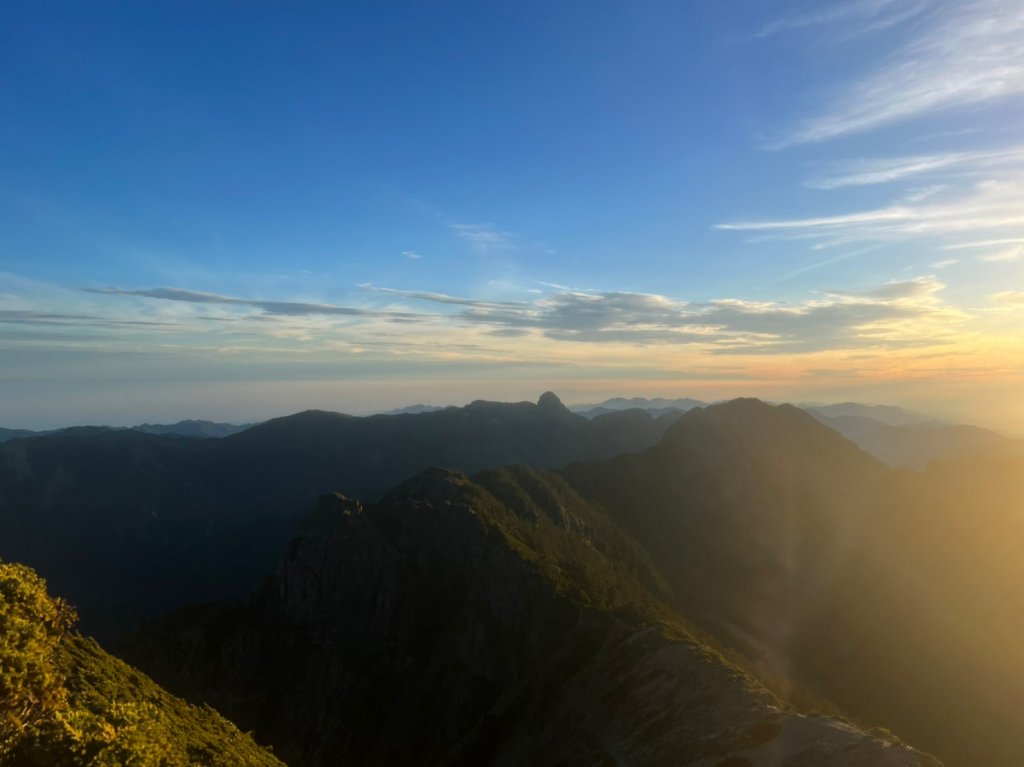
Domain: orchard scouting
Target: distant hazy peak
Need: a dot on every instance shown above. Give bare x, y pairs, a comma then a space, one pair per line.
642, 403
887, 414
550, 402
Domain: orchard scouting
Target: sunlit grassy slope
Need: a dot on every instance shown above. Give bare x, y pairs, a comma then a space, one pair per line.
64, 702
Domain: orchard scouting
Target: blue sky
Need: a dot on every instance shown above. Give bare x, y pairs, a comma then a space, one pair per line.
235, 210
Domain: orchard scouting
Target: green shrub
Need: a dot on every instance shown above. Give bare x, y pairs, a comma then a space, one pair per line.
64, 702
32, 625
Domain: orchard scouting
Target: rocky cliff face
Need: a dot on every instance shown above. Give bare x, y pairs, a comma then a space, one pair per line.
503, 621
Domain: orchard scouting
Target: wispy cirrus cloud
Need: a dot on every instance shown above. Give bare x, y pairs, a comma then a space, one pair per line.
29, 317
483, 237
865, 172
985, 243
987, 209
1010, 297
440, 298
856, 18
1004, 255
963, 54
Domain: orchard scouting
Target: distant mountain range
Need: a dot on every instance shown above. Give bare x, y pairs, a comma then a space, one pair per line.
414, 410
912, 439
915, 444
188, 428
191, 428
657, 406
886, 414
128, 524
520, 584
894, 435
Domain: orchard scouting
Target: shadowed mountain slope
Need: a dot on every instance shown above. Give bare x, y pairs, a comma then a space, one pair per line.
499, 621
892, 594
745, 507
130, 525
923, 628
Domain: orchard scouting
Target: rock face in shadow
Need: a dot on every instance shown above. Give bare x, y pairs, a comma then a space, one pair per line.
499, 621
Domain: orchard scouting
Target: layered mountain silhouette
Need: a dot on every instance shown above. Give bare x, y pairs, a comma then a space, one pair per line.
193, 428
658, 406
684, 589
915, 445
188, 428
129, 525
886, 414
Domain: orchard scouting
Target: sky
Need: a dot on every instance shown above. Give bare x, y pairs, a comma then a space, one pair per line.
237, 210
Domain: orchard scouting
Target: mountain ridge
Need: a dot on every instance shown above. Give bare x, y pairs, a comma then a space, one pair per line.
498, 639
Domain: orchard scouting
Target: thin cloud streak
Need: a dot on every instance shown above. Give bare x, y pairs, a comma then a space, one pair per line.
887, 170
1011, 297
856, 17
984, 243
483, 237
989, 208
1004, 256
439, 298
969, 54
287, 308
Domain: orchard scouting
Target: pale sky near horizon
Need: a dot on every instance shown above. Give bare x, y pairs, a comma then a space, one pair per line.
235, 210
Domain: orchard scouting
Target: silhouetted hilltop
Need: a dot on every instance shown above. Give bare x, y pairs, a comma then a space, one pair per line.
657, 406
192, 428
366, 456
6, 434
188, 428
743, 505
414, 409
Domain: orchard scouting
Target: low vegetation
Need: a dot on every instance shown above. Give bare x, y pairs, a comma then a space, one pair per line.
64, 702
